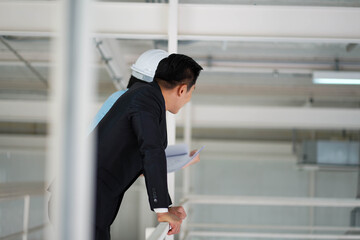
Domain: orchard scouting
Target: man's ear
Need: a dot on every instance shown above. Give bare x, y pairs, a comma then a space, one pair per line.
181, 89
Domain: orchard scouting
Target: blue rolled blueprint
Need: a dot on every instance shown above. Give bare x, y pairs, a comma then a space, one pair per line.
177, 156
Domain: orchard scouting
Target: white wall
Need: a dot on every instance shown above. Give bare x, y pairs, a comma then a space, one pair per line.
265, 169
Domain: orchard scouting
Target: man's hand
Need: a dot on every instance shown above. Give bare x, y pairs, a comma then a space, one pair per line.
178, 211
195, 160
173, 220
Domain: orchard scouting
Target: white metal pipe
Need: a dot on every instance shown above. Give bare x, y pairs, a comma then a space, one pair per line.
160, 232
272, 201
187, 123
73, 88
187, 140
273, 117
219, 116
274, 227
173, 26
19, 234
112, 57
26, 217
279, 39
186, 171
312, 192
270, 235
186, 181
170, 118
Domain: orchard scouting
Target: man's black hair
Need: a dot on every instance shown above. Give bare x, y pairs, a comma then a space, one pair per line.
177, 69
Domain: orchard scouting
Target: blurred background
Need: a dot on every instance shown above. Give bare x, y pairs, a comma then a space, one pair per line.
281, 157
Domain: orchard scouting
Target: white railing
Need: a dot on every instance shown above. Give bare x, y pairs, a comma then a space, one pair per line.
160, 232
267, 201
248, 235
23, 233
10, 191
271, 201
262, 228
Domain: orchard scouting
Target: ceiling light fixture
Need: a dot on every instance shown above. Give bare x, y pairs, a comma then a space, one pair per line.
336, 77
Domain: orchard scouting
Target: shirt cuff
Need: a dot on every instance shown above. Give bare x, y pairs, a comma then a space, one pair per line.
161, 210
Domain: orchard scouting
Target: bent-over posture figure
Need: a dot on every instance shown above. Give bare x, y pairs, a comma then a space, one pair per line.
131, 140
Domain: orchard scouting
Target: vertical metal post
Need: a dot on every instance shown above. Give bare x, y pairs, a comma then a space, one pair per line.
170, 118
187, 139
358, 180
26, 217
186, 171
173, 26
72, 92
312, 192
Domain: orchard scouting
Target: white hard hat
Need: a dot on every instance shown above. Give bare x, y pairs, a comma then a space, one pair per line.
145, 66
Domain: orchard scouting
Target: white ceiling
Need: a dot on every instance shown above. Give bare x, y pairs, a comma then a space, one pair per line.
236, 72
259, 73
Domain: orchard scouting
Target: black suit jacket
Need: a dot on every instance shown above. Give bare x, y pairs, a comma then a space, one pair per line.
131, 140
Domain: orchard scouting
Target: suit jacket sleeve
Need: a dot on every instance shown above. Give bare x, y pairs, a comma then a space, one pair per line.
145, 119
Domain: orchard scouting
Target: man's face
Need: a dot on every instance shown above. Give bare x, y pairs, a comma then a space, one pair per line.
184, 98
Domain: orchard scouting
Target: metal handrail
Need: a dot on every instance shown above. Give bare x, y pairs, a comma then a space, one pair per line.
30, 230
22, 190
160, 232
16, 190
271, 227
271, 201
267, 201
248, 235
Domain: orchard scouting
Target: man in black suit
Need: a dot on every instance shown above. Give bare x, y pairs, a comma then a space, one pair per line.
131, 140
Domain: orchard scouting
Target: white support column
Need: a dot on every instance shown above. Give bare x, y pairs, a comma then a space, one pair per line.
312, 192
170, 118
71, 154
171, 134
173, 26
187, 139
26, 217
186, 171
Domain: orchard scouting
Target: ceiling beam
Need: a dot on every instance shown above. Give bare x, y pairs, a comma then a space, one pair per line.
269, 23
23, 142
28, 110
218, 116
299, 88
197, 22
23, 111
222, 116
